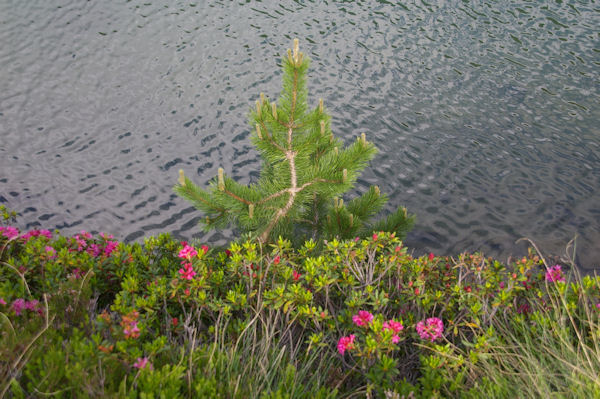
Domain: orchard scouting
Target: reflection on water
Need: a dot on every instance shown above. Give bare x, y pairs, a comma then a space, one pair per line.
485, 113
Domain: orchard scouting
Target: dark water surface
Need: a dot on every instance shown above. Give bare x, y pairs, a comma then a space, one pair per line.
486, 113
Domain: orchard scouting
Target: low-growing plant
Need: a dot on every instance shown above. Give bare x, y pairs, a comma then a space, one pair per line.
85, 316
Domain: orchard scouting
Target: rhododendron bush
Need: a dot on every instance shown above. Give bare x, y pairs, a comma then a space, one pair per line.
90, 314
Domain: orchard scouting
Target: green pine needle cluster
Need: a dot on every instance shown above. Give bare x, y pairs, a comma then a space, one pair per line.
306, 171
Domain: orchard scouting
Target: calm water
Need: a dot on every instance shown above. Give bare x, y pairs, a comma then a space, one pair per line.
486, 113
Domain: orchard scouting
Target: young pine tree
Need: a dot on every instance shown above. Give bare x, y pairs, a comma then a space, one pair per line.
306, 170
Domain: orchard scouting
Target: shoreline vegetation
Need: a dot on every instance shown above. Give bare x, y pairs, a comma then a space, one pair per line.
87, 316
314, 300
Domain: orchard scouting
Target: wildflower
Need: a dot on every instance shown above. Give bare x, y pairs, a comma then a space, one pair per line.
36, 233
295, 275
431, 256
18, 305
110, 247
94, 250
131, 330
276, 260
363, 318
501, 285
345, 343
130, 325
554, 274
142, 362
205, 249
174, 321
227, 253
395, 327
375, 236
2, 301
188, 273
431, 329
9, 232
188, 252
32, 305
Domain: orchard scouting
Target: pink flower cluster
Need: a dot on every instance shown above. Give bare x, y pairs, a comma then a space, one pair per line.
188, 252
395, 327
106, 248
555, 274
431, 329
37, 233
187, 272
9, 232
130, 325
345, 343
21, 304
363, 318
142, 362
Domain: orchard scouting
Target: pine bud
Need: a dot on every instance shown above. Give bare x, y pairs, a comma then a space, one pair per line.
351, 220
341, 203
322, 128
363, 139
335, 202
251, 211
328, 219
207, 220
296, 48
221, 180
274, 109
289, 53
320, 105
262, 98
181, 177
258, 108
377, 192
258, 131
405, 213
345, 175
335, 149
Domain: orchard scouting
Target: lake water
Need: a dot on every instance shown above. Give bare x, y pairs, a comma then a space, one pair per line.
486, 113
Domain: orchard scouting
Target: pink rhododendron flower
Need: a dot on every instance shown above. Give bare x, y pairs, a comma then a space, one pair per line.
9, 231
395, 327
2, 301
18, 305
345, 343
431, 329
110, 247
296, 276
431, 256
363, 318
142, 362
94, 250
188, 252
188, 273
32, 305
36, 233
205, 248
131, 330
554, 274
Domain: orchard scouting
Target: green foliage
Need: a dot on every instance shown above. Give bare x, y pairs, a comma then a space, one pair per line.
306, 171
85, 316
